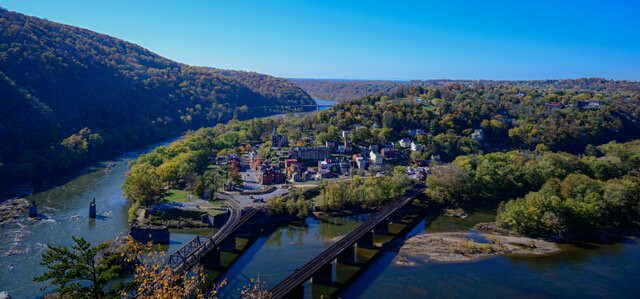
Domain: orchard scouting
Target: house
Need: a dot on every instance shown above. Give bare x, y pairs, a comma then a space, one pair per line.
391, 153
376, 158
416, 147
309, 153
272, 175
308, 175
555, 105
416, 132
589, 104
477, 135
346, 134
405, 142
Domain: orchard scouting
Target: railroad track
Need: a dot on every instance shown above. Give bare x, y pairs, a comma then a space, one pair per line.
303, 274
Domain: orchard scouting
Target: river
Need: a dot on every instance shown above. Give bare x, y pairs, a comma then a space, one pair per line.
65, 210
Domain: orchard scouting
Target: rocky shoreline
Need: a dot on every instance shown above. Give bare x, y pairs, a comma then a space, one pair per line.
13, 208
456, 247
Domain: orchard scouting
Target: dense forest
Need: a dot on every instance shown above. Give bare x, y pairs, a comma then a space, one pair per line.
70, 96
340, 90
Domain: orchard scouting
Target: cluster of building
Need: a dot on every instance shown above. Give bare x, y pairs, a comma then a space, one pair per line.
591, 104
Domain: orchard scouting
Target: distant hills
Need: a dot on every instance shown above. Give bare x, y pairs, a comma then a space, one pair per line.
69, 95
340, 90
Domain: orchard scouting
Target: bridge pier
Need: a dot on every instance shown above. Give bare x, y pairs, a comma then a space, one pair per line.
382, 227
348, 255
228, 244
211, 260
220, 219
324, 275
296, 293
366, 241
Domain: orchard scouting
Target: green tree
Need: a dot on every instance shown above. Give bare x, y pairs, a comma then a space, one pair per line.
81, 271
143, 184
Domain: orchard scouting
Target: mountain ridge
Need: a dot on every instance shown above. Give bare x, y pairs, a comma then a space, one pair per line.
71, 95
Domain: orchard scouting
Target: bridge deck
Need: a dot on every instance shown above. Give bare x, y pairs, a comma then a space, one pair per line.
306, 272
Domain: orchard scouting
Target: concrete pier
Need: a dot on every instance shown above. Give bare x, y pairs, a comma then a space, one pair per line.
324, 275
347, 256
366, 241
92, 209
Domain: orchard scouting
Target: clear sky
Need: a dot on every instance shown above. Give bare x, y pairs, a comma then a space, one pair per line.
374, 39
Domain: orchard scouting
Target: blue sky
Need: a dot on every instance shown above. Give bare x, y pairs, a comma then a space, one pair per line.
374, 39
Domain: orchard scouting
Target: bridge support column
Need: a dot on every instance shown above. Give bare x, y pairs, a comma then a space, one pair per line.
324, 275
228, 244
296, 293
211, 260
366, 241
382, 227
348, 255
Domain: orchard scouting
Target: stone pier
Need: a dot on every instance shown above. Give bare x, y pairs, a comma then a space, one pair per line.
92, 208
347, 256
33, 210
366, 241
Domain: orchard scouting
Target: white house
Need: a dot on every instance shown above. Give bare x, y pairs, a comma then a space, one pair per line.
345, 134
405, 142
376, 158
416, 147
477, 135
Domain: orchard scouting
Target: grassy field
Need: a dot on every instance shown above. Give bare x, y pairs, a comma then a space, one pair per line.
176, 195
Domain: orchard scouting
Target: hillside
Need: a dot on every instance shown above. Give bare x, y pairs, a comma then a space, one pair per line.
70, 95
340, 90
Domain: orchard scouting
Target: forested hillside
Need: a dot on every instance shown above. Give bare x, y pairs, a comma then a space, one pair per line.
340, 90
70, 95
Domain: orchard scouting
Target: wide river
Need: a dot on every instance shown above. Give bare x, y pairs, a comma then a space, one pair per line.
587, 270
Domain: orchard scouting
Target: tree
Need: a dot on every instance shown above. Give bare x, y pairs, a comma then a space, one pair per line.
82, 263
142, 184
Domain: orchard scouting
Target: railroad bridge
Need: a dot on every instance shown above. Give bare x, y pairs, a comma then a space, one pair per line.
320, 268
206, 251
